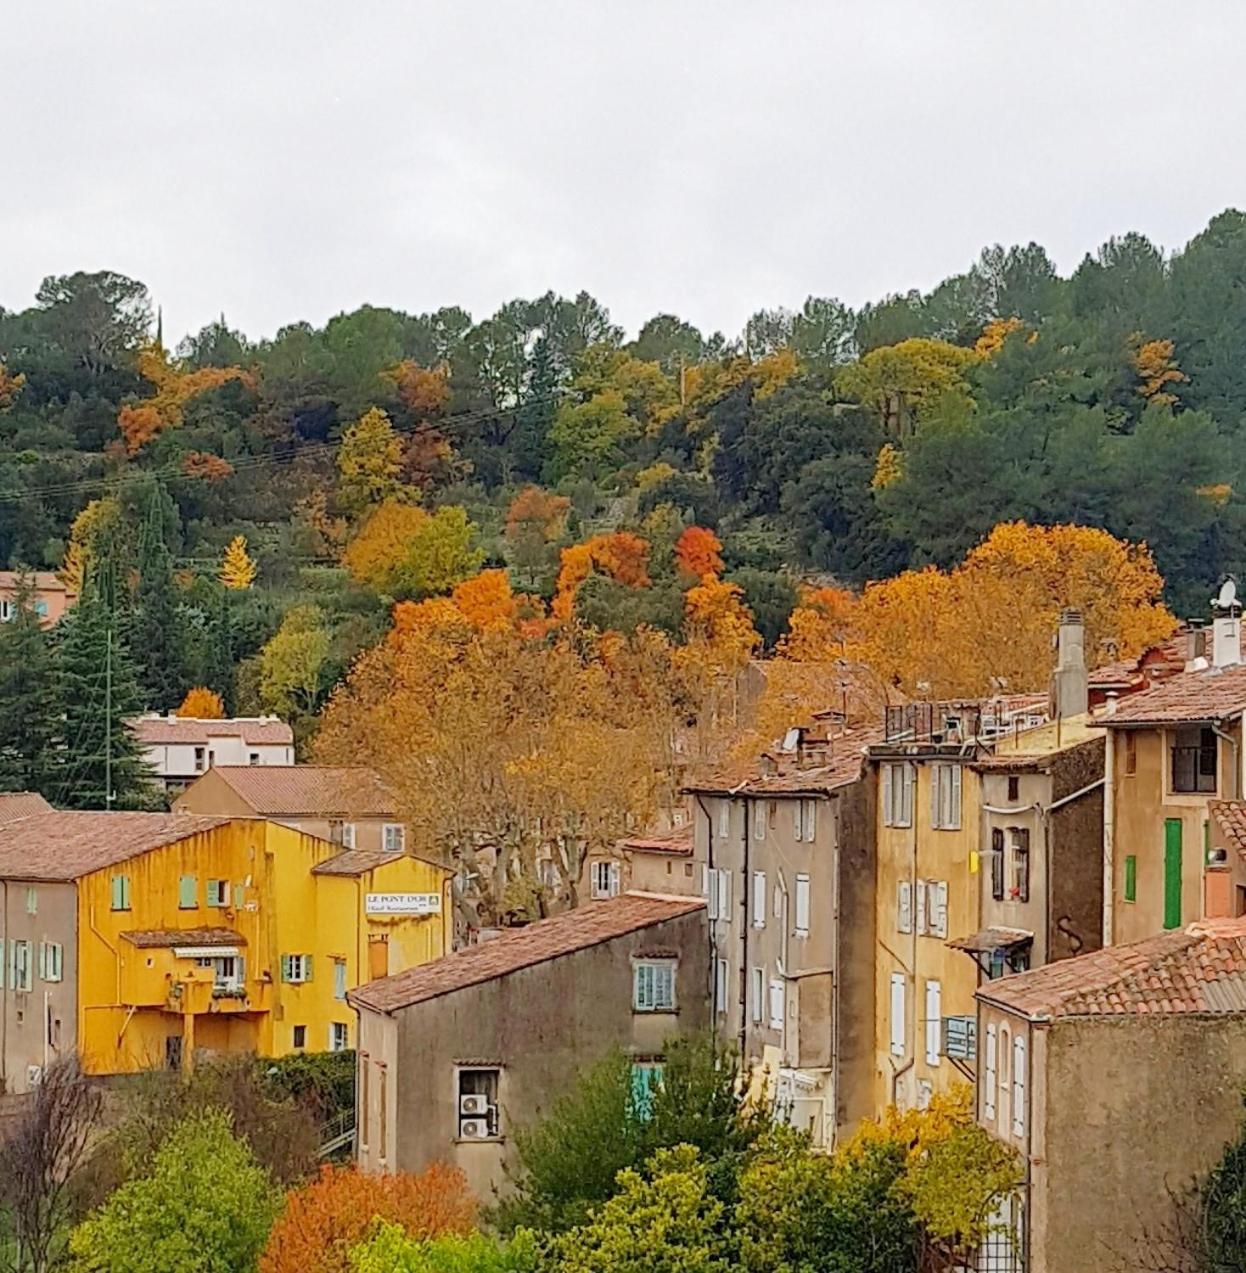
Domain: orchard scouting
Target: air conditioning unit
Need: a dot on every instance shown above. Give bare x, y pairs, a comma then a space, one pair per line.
474, 1128
474, 1103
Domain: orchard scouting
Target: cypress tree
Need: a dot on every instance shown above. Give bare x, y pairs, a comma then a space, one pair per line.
30, 720
157, 627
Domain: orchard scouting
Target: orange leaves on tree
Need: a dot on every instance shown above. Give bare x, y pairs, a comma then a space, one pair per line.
1157, 368
486, 601
820, 626
621, 555
383, 542
202, 464
718, 626
202, 703
174, 388
139, 424
323, 1220
424, 391
994, 334
698, 553
538, 511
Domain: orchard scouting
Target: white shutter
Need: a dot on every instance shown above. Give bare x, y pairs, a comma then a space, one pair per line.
758, 988
720, 985
922, 899
1018, 1086
709, 887
889, 817
955, 810
797, 820
934, 1021
907, 775
778, 1004
759, 899
614, 879
936, 782
988, 1077
802, 905
897, 1014
904, 906
759, 820
938, 901
778, 902
724, 895
811, 820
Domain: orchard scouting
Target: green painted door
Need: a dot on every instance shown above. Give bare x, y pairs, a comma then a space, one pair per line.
1172, 873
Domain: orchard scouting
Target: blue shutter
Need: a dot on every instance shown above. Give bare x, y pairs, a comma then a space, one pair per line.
188, 892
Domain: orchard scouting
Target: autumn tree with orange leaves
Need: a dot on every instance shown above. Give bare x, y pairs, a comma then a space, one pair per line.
535, 521
175, 385
324, 1219
698, 552
202, 703
621, 555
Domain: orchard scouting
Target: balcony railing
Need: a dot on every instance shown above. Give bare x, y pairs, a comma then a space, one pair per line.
1194, 769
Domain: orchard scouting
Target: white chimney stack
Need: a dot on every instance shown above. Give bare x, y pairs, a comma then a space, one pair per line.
1226, 627
1070, 688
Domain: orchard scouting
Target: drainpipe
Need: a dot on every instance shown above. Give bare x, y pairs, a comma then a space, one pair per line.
1109, 837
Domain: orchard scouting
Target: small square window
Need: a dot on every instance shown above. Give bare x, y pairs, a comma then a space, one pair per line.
300, 1036
653, 985
218, 892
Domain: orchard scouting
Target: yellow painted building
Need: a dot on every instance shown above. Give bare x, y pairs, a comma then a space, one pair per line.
928, 829
137, 939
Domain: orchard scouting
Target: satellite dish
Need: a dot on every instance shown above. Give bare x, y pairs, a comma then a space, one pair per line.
1228, 595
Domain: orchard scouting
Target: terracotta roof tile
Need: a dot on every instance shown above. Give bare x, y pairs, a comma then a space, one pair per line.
43, 581
21, 804
66, 845
520, 948
1230, 816
154, 938
160, 731
678, 843
1198, 969
847, 755
310, 790
1210, 694
356, 862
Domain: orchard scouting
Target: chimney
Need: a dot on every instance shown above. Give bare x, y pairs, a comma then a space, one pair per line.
1226, 627
1070, 686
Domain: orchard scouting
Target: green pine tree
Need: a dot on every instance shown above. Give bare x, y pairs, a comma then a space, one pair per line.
30, 721
99, 687
157, 625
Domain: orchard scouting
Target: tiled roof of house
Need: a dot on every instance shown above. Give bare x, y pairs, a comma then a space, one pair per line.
1209, 694
310, 790
1199, 969
678, 843
162, 731
66, 845
21, 804
1230, 817
520, 948
847, 756
158, 938
42, 580
356, 861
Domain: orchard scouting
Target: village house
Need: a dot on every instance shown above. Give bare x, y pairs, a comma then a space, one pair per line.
1173, 751
1118, 1078
347, 806
179, 749
659, 860
453, 1055
52, 597
137, 939
784, 849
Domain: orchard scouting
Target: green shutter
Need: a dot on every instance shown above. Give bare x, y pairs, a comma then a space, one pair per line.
1131, 878
307, 967
188, 892
1172, 873
285, 967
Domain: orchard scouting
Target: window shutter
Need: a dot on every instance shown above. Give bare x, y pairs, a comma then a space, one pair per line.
307, 967
934, 1021
955, 818
720, 985
802, 904
724, 819
1018, 1086
939, 903
116, 893
759, 820
988, 1077
889, 818
923, 898
709, 889
1023, 881
614, 879
43, 961
936, 785
666, 985
285, 967
778, 1004
758, 987
724, 895
811, 820
797, 820
187, 891
907, 777
759, 899
897, 1014
904, 906
997, 863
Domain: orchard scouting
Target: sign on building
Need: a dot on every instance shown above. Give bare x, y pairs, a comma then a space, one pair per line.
402, 904
960, 1038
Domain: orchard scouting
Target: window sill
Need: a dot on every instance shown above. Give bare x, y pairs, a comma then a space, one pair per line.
480, 1140
655, 1012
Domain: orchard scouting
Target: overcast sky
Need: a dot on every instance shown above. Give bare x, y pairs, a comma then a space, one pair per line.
289, 159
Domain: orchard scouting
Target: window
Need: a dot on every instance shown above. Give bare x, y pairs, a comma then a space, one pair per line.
802, 906
348, 835
1019, 884
720, 986
808, 813
1018, 1086
120, 892
653, 985
7, 609
897, 795
32, 901
41, 608
187, 892
201, 759
988, 1076
897, 1014
477, 1093
1014, 788
226, 970
253, 758
547, 873
757, 994
778, 1003
1131, 752
759, 899
300, 1036
339, 1036
365, 1086
934, 1021
936, 907
646, 1079
218, 892
923, 899
339, 978
945, 797
394, 837
724, 819
1194, 760
51, 960
19, 965
296, 969
798, 821
759, 820
604, 879
904, 906
997, 863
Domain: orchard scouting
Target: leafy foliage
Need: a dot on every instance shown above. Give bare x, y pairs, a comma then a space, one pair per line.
390, 1250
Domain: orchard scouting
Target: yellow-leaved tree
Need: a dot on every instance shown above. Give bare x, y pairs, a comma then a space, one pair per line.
202, 703
1157, 370
238, 568
10, 387
369, 464
903, 383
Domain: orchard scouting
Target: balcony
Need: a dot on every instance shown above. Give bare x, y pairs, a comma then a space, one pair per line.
201, 992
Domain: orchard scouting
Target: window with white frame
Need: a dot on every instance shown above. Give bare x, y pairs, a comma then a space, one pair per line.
339, 978
759, 899
934, 1021
227, 971
7, 609
477, 1097
604, 879
808, 820
653, 985
339, 1036
904, 906
1019, 880
394, 837
51, 960
21, 974
720, 986
759, 820
897, 1014
945, 797
32, 900
897, 794
296, 969
798, 821
802, 906
348, 835
778, 1003
757, 994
